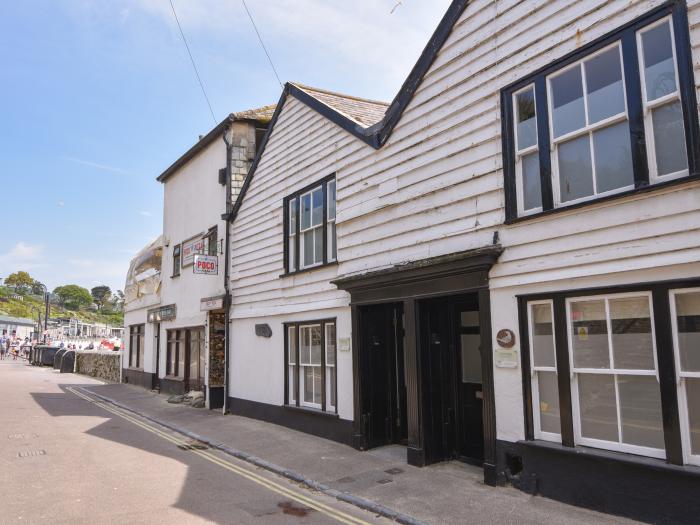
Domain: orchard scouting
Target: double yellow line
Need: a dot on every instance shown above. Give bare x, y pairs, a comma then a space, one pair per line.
241, 471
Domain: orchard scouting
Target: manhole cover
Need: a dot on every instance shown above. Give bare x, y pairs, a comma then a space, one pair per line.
31, 453
394, 471
384, 481
193, 445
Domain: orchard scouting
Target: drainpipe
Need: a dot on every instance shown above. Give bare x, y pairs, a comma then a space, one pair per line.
227, 294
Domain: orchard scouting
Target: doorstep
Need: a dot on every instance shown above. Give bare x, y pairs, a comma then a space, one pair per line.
450, 492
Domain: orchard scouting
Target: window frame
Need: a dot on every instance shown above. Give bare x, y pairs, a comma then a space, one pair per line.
688, 456
611, 370
212, 239
626, 36
293, 329
665, 360
293, 241
177, 260
137, 332
534, 380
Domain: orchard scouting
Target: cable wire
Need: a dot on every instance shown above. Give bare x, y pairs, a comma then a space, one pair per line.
199, 79
261, 42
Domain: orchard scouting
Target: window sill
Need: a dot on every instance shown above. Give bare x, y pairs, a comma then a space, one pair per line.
607, 198
610, 455
312, 411
309, 269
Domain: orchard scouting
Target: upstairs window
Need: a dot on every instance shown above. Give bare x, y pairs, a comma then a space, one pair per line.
608, 119
310, 239
176, 260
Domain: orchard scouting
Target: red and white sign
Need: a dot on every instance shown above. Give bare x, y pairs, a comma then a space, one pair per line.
190, 248
206, 264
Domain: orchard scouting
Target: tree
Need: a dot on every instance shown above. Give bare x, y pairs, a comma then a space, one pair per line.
101, 295
21, 282
38, 288
73, 297
117, 301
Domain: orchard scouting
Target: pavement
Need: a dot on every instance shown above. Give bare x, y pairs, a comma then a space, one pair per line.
110, 458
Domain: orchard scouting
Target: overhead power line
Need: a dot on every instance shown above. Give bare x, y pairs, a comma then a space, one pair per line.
194, 66
261, 42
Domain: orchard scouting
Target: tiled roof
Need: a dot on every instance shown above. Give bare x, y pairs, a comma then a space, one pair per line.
363, 111
6, 319
263, 114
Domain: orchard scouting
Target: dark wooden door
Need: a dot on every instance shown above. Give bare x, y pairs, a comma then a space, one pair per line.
470, 424
383, 389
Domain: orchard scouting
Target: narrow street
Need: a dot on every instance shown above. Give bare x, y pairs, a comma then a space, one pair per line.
68, 458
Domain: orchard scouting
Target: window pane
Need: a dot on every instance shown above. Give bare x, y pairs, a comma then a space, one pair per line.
688, 324
659, 69
692, 389
532, 194
308, 384
308, 241
331, 386
331, 200
568, 112
293, 382
333, 250
317, 215
640, 411
292, 253
306, 211
630, 321
318, 245
292, 216
471, 358
598, 407
315, 332
589, 334
613, 157
669, 138
527, 126
604, 85
542, 335
305, 345
575, 172
330, 344
181, 356
317, 384
292, 345
549, 402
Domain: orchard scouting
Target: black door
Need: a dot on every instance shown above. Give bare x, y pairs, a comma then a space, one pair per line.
156, 345
470, 436
382, 381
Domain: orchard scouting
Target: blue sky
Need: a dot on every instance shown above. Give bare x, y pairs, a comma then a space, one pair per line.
99, 97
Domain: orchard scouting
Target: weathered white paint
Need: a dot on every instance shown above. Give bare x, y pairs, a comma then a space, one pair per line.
436, 187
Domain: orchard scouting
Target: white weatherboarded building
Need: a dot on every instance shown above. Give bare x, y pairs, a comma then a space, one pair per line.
516, 278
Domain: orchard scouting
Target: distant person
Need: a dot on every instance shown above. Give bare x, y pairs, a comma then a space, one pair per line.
62, 345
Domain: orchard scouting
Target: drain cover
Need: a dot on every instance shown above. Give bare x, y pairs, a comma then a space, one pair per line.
193, 445
31, 453
394, 471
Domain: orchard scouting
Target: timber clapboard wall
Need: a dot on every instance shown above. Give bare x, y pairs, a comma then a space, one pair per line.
436, 187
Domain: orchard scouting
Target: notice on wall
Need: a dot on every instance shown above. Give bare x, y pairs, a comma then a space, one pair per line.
190, 248
344, 344
506, 358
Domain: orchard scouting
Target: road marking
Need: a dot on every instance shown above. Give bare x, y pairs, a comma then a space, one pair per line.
237, 469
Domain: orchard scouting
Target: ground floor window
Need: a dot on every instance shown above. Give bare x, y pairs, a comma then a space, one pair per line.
616, 369
136, 344
310, 371
175, 354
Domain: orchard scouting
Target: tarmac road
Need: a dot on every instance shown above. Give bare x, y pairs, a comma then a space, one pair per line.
68, 458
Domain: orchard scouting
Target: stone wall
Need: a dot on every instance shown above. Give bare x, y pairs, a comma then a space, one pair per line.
100, 364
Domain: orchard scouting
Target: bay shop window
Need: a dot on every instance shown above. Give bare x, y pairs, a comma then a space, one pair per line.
310, 364
610, 370
611, 118
310, 238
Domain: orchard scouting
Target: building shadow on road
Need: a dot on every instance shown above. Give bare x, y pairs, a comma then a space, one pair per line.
208, 491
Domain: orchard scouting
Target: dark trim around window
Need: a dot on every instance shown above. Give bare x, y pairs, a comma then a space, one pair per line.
665, 358
324, 401
177, 260
626, 34
285, 222
136, 345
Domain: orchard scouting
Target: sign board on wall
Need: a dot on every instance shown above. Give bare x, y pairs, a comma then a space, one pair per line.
211, 303
206, 264
190, 248
162, 313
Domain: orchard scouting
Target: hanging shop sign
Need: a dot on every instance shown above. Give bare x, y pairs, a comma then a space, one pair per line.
206, 264
191, 248
211, 303
162, 313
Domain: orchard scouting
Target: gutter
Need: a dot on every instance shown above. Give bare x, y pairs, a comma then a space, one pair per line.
227, 292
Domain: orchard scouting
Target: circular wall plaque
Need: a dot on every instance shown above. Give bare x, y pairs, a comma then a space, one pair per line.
505, 338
